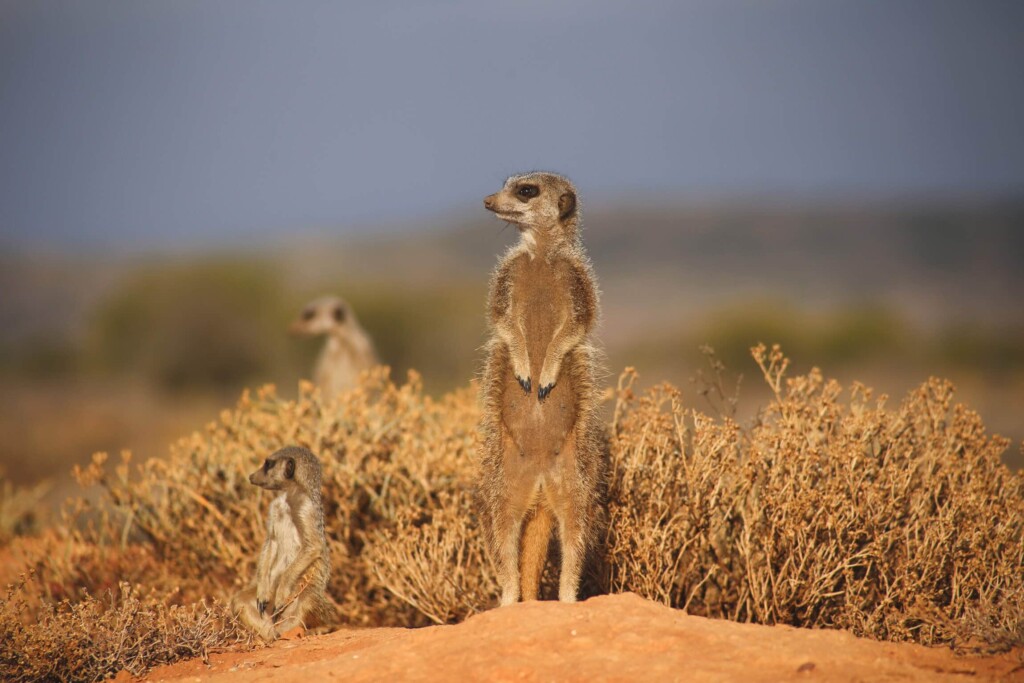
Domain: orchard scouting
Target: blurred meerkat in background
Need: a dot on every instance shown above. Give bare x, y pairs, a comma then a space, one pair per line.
348, 349
294, 566
542, 460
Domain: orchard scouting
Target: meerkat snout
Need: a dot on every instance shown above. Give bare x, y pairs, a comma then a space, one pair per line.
274, 473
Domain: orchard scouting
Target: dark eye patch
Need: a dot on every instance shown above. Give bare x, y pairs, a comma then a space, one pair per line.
308, 314
267, 464
527, 192
339, 314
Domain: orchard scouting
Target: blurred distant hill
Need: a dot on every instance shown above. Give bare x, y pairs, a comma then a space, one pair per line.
659, 263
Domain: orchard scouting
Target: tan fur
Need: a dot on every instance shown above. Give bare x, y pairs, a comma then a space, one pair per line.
348, 349
290, 588
542, 462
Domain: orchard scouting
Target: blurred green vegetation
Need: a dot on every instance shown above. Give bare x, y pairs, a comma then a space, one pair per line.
220, 324
40, 357
985, 349
436, 331
210, 325
836, 339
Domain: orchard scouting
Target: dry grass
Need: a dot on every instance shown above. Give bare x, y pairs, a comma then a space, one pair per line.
830, 510
93, 639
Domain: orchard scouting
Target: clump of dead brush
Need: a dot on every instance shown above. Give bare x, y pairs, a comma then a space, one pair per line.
95, 638
435, 561
900, 524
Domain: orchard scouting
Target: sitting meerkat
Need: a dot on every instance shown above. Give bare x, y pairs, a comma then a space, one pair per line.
293, 568
348, 349
542, 460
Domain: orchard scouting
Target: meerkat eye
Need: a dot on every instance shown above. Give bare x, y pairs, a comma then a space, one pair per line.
528, 191
267, 464
308, 314
289, 469
339, 314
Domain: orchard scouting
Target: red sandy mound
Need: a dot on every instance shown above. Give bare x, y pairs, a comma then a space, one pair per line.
616, 637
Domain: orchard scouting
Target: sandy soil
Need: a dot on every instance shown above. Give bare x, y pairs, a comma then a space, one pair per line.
608, 638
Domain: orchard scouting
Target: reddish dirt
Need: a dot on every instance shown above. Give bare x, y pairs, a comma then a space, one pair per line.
608, 638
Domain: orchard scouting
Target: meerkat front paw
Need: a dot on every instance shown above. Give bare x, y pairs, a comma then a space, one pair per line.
548, 379
520, 363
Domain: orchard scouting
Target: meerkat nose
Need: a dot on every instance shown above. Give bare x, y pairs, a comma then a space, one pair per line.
489, 202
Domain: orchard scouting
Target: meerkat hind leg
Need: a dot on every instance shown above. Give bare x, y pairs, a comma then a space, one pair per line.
310, 610
243, 606
572, 561
516, 497
571, 528
536, 537
322, 618
507, 535
291, 618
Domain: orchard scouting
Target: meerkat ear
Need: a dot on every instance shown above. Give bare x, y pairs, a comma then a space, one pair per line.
566, 206
289, 468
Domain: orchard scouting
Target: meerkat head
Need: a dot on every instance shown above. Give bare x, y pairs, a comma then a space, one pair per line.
326, 315
538, 202
289, 467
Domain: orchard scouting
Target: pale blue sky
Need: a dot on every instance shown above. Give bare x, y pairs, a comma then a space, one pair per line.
171, 123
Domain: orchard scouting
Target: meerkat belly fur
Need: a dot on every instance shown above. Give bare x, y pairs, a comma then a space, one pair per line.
542, 464
290, 588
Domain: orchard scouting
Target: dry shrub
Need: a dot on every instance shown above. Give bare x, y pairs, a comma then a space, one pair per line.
827, 511
435, 562
897, 524
93, 639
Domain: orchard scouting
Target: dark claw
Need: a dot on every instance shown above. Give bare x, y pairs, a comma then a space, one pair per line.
261, 606
544, 392
524, 383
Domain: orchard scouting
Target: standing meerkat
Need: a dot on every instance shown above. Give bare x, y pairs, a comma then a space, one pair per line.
542, 459
348, 349
290, 588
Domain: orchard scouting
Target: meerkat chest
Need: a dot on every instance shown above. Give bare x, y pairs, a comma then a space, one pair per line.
281, 528
338, 366
538, 291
